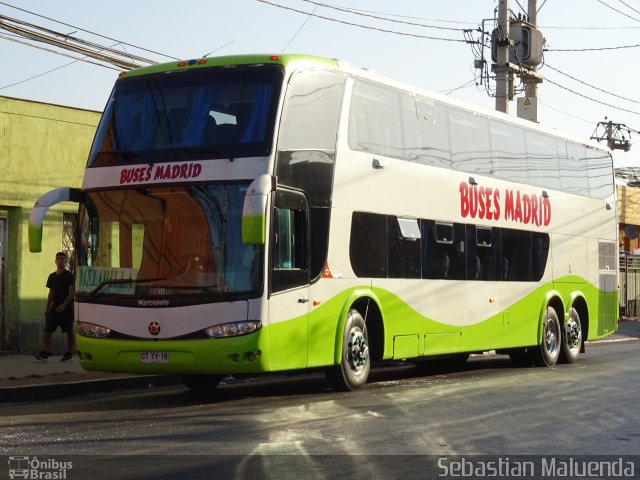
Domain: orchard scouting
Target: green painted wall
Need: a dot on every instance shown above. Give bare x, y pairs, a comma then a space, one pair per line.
42, 147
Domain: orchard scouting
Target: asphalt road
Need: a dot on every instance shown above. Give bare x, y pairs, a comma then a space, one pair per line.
401, 423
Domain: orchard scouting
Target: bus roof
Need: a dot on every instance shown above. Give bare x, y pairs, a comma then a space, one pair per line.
286, 60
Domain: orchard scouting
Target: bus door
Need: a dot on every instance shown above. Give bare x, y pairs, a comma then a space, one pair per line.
289, 281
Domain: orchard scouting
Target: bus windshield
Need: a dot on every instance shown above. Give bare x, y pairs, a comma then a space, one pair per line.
202, 113
159, 241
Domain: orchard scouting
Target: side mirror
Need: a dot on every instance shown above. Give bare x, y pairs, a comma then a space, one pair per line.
254, 210
36, 217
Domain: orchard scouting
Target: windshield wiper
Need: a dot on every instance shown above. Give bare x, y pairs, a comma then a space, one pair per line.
122, 281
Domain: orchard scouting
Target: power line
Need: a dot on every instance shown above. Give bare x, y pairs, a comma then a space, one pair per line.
82, 59
470, 83
87, 31
387, 14
590, 122
589, 85
386, 19
427, 37
589, 49
299, 29
629, 6
39, 75
67, 42
618, 11
590, 98
587, 28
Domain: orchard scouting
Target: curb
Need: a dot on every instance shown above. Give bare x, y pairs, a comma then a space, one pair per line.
29, 393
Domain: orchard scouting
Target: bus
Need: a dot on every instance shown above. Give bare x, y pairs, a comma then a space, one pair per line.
272, 213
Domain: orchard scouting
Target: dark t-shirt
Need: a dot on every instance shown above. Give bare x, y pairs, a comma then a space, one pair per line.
59, 284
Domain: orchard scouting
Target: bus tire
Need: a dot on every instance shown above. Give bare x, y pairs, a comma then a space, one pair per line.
355, 362
201, 382
571, 338
548, 352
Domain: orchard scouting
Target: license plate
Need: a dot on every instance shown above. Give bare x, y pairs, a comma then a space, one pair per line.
154, 357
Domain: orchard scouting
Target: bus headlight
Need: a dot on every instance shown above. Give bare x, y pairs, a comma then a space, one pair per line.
91, 330
233, 329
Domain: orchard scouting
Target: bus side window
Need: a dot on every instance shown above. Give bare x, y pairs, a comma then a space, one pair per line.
289, 252
444, 251
403, 256
524, 255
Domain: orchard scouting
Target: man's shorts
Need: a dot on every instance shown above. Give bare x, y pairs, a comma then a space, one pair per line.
63, 320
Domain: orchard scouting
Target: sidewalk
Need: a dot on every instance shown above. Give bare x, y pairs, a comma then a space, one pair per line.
23, 378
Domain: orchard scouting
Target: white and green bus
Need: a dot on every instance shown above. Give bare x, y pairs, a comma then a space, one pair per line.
260, 213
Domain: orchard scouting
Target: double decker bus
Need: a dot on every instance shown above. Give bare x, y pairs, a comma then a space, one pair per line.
249, 214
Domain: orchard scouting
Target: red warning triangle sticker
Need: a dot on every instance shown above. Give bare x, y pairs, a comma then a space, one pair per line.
326, 272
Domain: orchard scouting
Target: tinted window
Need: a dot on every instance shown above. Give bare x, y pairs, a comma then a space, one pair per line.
524, 255
201, 113
483, 251
368, 245
404, 248
443, 247
387, 246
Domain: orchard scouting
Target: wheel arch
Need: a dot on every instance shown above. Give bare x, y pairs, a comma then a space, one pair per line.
368, 305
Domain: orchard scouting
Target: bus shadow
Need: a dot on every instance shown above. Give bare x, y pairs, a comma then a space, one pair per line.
312, 386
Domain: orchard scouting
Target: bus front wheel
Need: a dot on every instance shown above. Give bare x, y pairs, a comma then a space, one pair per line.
353, 371
201, 382
548, 351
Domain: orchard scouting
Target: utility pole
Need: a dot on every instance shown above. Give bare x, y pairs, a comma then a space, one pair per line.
501, 67
614, 134
528, 106
516, 48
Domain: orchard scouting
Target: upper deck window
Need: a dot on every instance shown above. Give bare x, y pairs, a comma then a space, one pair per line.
204, 113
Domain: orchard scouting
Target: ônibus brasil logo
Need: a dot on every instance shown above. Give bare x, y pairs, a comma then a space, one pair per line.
35, 468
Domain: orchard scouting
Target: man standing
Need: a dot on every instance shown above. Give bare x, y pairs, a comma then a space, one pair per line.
59, 312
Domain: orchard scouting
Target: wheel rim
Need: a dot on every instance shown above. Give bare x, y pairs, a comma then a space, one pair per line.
574, 333
357, 351
551, 337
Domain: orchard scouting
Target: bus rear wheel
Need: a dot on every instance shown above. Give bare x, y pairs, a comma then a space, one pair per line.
353, 371
201, 382
548, 352
571, 338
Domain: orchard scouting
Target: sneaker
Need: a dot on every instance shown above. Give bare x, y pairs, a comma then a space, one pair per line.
43, 356
66, 357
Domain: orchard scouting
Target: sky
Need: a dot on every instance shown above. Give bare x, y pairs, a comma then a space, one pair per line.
591, 68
